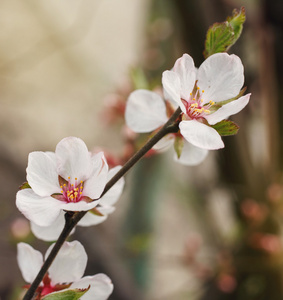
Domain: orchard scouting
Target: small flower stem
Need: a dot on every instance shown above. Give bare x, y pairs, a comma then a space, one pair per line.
72, 218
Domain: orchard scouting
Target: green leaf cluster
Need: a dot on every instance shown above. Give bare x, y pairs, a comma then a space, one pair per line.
221, 36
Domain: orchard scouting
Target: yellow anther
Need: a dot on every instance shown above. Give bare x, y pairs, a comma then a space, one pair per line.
190, 94
211, 102
198, 88
193, 105
201, 100
64, 184
202, 91
81, 193
207, 111
69, 177
62, 192
72, 185
81, 187
199, 110
76, 178
194, 99
61, 186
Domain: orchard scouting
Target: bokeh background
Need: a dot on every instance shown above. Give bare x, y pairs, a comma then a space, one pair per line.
208, 232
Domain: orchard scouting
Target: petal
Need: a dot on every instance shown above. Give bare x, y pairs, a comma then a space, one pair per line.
112, 196
172, 88
221, 76
145, 111
228, 110
79, 206
41, 173
52, 232
185, 68
73, 159
94, 186
164, 143
41, 210
69, 264
191, 155
91, 219
201, 135
101, 287
29, 260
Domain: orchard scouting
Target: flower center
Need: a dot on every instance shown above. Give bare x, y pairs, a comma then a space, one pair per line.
47, 287
72, 192
195, 108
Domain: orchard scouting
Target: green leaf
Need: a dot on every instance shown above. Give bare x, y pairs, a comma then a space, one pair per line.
221, 36
236, 21
178, 145
218, 38
25, 185
73, 294
226, 127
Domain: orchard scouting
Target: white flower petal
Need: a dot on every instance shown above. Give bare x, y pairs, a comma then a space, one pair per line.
41, 210
52, 232
91, 219
164, 143
69, 264
221, 76
73, 159
172, 88
145, 111
201, 135
112, 196
191, 155
94, 186
101, 287
29, 260
79, 206
185, 68
228, 110
41, 173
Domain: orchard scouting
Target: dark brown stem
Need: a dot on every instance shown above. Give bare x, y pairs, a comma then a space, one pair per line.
72, 218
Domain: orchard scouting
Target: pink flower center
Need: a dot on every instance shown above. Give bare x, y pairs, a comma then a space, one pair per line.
195, 109
47, 287
72, 192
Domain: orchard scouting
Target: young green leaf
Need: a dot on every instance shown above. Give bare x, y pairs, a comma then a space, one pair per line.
25, 185
236, 21
73, 294
178, 145
221, 36
226, 127
218, 38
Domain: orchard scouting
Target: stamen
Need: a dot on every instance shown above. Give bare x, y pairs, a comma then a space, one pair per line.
72, 192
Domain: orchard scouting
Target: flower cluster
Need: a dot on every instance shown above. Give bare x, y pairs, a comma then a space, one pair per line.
72, 179
65, 273
206, 96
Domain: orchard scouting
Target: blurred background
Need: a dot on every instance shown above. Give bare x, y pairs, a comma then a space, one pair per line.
208, 232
